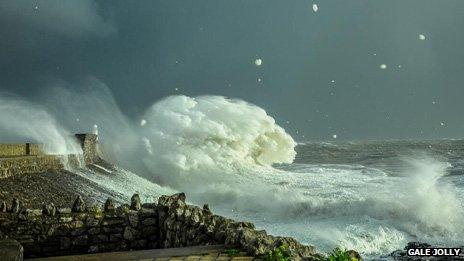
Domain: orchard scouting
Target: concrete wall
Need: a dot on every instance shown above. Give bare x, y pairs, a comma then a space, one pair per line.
169, 223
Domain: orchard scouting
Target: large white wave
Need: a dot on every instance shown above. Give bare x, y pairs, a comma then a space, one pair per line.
211, 135
213, 131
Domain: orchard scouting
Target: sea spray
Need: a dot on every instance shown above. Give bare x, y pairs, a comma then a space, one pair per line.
21, 120
222, 152
93, 104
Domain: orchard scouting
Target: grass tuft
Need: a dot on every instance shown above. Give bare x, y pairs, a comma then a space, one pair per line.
232, 252
339, 254
278, 254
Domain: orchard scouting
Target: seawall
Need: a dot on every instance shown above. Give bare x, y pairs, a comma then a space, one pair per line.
19, 159
168, 223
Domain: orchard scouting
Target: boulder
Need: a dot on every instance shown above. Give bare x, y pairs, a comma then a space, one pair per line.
109, 205
173, 200
3, 207
49, 210
135, 202
206, 210
15, 206
354, 255
79, 205
11, 250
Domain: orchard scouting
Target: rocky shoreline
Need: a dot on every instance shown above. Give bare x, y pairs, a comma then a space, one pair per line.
170, 222
59, 188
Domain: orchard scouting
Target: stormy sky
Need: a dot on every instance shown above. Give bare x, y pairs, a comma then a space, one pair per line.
321, 73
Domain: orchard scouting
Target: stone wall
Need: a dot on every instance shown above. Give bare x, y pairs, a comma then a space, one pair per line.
26, 149
169, 223
19, 159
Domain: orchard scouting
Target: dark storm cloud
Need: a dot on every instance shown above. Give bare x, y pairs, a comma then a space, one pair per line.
39, 41
145, 50
60, 18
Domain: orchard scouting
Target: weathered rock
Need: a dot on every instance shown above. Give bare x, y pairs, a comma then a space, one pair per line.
94, 231
99, 239
63, 211
206, 210
15, 206
3, 207
174, 200
11, 250
122, 210
110, 206
80, 240
354, 255
32, 214
170, 223
150, 222
135, 202
79, 205
91, 221
116, 237
49, 210
65, 243
130, 233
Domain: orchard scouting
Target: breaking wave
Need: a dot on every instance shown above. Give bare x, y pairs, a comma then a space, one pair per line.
224, 151
211, 136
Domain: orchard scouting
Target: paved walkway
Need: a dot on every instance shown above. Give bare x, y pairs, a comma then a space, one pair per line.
217, 252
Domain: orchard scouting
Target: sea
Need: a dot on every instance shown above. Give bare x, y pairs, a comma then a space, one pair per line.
371, 196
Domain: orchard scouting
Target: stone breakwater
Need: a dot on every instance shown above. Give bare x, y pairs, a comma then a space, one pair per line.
27, 158
170, 222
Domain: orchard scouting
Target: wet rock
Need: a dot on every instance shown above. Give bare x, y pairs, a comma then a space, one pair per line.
109, 206
135, 202
354, 255
79, 205
416, 245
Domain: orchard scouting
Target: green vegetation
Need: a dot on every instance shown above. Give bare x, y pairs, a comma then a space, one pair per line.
232, 252
278, 254
340, 255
